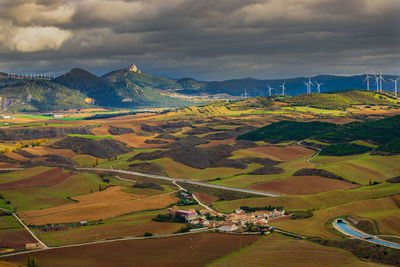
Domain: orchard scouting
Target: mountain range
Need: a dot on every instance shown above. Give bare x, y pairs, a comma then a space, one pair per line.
132, 88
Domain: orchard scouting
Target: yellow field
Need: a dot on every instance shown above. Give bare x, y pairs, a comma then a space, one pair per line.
100, 205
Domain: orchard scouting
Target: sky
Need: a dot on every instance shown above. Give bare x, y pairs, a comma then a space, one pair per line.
202, 39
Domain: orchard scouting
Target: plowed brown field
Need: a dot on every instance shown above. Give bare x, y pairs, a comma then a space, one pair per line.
190, 250
281, 153
302, 185
47, 178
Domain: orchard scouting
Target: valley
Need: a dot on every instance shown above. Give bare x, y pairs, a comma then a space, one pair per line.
94, 177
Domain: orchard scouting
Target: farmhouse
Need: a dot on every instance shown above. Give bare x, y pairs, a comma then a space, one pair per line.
228, 227
189, 215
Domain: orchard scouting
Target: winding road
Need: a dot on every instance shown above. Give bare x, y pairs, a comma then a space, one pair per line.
316, 154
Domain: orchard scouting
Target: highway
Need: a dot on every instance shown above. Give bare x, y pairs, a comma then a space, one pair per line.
154, 176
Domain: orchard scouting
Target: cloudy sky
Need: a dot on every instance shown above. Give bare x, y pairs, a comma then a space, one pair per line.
204, 39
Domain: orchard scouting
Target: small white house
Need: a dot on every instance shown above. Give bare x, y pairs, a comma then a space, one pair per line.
228, 228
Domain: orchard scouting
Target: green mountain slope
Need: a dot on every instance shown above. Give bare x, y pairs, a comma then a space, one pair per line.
138, 89
39, 95
99, 89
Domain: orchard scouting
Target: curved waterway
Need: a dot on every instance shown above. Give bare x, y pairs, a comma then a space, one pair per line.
346, 229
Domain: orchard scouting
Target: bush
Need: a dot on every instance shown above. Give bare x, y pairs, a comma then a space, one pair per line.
252, 209
301, 214
148, 234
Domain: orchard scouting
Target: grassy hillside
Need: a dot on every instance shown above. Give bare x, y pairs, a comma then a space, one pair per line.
339, 100
138, 89
40, 95
95, 87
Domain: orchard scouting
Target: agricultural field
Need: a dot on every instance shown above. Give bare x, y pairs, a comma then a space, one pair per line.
189, 250
101, 205
258, 144
274, 250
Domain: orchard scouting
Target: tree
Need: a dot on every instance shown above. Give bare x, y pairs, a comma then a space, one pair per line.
96, 162
109, 157
148, 234
31, 262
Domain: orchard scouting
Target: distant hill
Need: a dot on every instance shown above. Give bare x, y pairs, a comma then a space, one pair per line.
339, 99
294, 86
39, 95
132, 88
138, 89
85, 82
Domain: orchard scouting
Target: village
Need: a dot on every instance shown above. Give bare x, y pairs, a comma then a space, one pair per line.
251, 220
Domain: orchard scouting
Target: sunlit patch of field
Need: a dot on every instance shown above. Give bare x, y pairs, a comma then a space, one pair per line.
281, 153
307, 109
388, 220
362, 168
302, 185
84, 160
316, 201
315, 226
280, 250
22, 174
135, 224
44, 197
40, 151
99, 205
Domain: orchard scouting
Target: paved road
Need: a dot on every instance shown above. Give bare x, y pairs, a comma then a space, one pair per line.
316, 154
27, 229
243, 190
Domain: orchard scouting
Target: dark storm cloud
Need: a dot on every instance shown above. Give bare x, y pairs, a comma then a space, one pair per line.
203, 39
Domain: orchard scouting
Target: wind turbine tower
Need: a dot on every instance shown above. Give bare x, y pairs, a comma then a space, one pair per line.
245, 94
377, 83
318, 86
270, 90
380, 82
308, 84
367, 77
283, 87
395, 85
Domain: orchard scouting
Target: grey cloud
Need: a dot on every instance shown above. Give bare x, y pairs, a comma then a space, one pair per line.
203, 39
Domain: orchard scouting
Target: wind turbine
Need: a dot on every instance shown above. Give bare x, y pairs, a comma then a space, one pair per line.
380, 81
318, 86
245, 94
308, 84
283, 87
367, 77
270, 89
395, 85
377, 83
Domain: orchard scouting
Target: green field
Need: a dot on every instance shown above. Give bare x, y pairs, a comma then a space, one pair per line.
29, 198
315, 226
94, 137
362, 168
